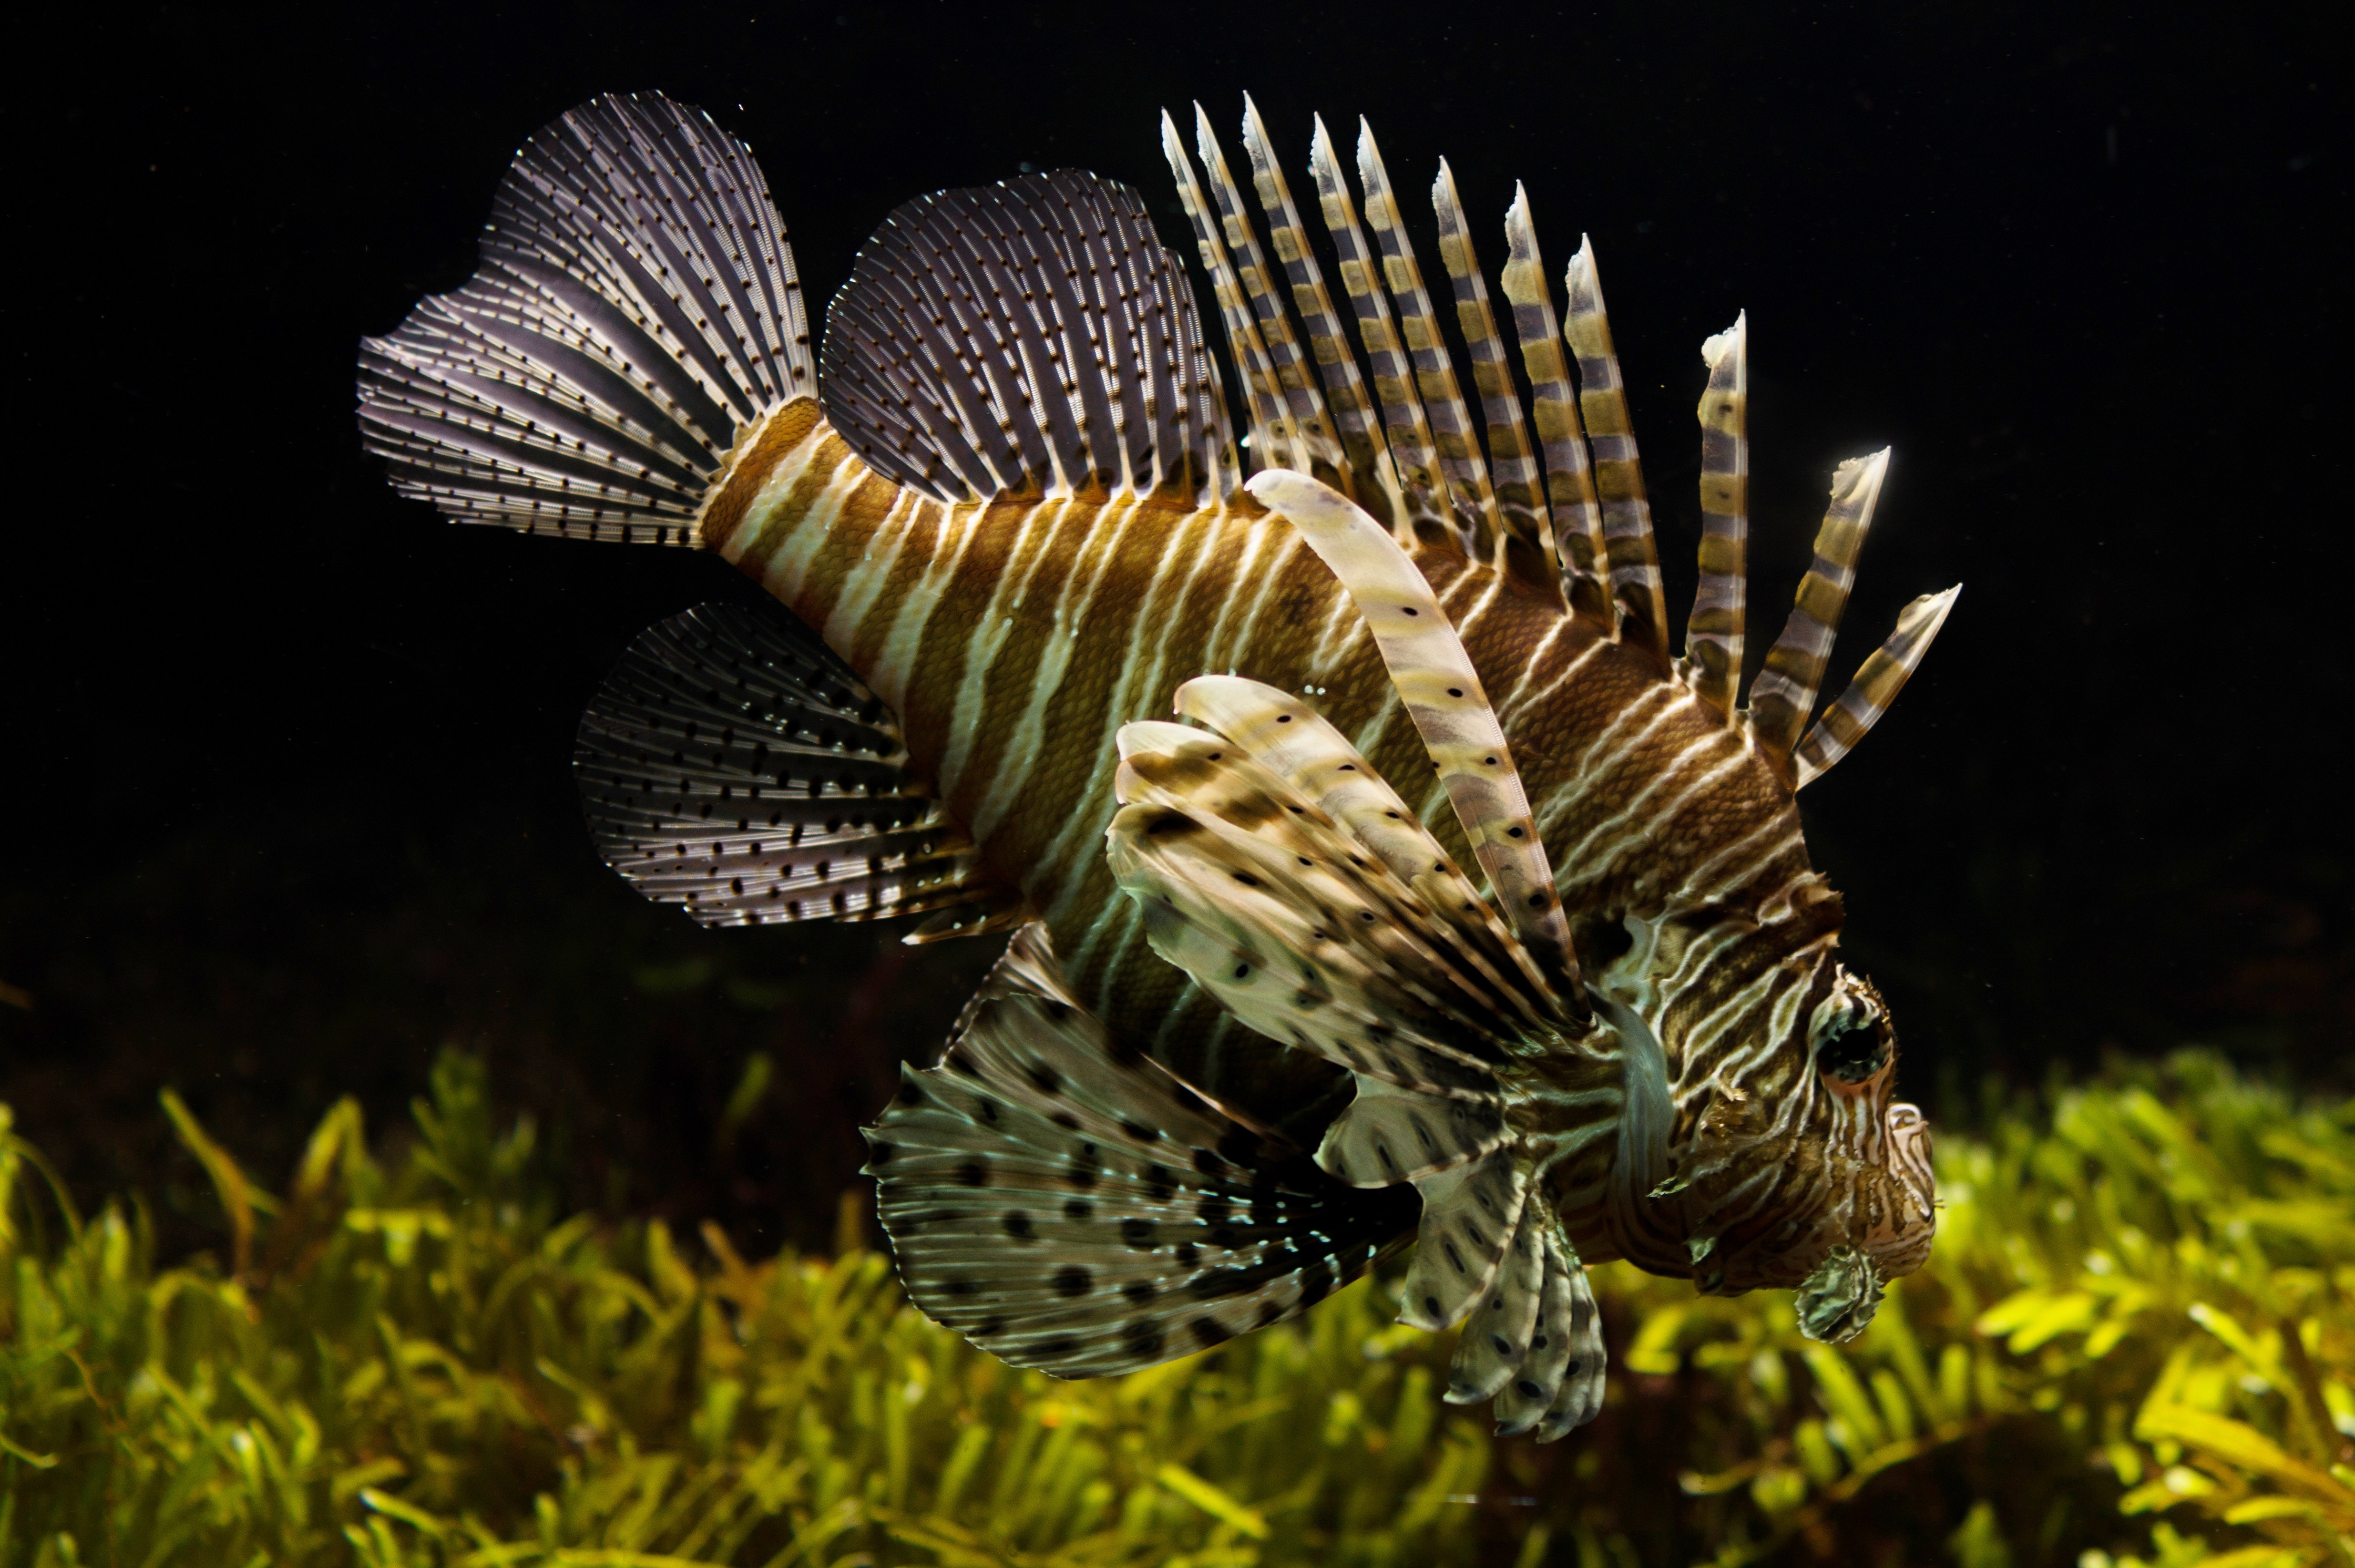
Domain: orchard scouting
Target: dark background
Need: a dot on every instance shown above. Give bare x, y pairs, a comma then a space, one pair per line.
286, 758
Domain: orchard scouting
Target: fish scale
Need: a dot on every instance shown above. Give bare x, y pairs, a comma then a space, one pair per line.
1008, 500
1212, 617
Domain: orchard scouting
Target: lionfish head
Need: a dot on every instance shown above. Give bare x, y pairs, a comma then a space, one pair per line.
1827, 1190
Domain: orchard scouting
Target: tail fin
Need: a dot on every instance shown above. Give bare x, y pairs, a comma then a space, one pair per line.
635, 311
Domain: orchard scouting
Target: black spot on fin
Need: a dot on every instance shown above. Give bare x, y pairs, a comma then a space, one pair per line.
1193, 1229
733, 766
1470, 1214
1500, 1337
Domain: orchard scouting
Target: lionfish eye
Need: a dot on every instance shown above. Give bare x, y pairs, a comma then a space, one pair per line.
1853, 1049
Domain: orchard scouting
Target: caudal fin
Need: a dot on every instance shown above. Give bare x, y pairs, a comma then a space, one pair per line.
635, 311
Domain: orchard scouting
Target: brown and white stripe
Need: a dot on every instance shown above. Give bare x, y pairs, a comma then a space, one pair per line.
1014, 510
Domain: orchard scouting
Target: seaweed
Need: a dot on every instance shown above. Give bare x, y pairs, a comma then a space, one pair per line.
2135, 1344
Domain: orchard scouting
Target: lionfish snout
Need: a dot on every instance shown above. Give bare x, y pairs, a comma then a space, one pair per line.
1850, 1203
1892, 1217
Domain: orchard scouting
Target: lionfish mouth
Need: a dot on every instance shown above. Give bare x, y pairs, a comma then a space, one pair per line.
633, 362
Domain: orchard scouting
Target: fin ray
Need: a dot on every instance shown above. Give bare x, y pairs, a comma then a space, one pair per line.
1784, 693
1500, 1335
1269, 907
1469, 1215
1525, 541
1634, 558
1474, 509
635, 308
1416, 458
1288, 738
1714, 631
1072, 1211
732, 766
1577, 516
1578, 1397
1876, 686
1314, 440
1442, 692
1274, 438
1359, 427
1387, 1135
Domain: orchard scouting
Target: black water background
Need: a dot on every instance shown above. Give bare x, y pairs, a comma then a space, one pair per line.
286, 758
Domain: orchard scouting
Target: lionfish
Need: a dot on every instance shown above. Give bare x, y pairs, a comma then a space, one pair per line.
1456, 912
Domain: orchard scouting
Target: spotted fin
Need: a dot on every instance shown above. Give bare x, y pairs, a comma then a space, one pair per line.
1574, 1321
1015, 339
1252, 848
1531, 1388
1470, 1213
1441, 691
733, 766
1291, 739
1500, 1334
1282, 917
1388, 1135
636, 308
1535, 1342
1344, 949
1084, 1214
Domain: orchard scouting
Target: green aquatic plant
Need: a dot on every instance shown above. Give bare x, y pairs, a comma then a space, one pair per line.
2135, 1343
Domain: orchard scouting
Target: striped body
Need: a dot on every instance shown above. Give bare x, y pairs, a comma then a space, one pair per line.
1416, 641
1014, 638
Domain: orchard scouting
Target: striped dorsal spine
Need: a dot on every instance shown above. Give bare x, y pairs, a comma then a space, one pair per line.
1009, 498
